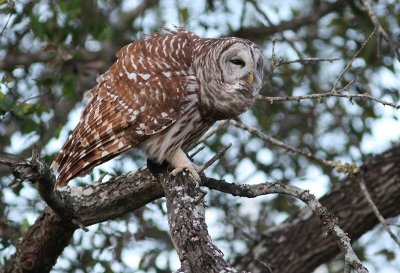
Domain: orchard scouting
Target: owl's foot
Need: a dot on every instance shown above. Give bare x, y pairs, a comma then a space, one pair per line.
181, 163
189, 168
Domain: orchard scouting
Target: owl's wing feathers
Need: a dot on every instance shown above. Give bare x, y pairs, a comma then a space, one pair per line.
143, 93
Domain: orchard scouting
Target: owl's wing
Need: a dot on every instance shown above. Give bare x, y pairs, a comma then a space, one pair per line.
143, 93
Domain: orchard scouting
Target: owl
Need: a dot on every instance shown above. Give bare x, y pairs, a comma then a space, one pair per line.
161, 95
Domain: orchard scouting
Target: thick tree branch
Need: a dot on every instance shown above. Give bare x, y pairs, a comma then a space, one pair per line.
103, 201
45, 240
189, 232
298, 245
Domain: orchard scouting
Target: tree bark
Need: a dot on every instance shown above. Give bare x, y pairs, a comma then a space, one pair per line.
187, 223
299, 244
49, 235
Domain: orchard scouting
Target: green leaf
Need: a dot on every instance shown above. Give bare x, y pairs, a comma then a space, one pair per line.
28, 126
184, 15
25, 109
5, 103
58, 131
37, 27
69, 87
7, 79
390, 255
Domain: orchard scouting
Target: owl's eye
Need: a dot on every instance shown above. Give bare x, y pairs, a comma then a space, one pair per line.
238, 62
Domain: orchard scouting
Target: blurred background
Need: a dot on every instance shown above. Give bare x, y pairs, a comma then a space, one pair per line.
52, 51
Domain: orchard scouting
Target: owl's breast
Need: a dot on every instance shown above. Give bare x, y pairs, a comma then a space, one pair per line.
184, 133
218, 103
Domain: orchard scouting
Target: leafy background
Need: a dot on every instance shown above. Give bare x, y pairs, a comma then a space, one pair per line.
52, 51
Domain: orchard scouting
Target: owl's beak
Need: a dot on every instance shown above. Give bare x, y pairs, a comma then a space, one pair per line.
250, 78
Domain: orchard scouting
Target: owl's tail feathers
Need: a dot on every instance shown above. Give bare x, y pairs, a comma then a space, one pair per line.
75, 160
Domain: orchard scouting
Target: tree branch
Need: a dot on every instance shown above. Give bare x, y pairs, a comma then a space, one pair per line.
351, 62
380, 29
189, 232
99, 202
293, 25
338, 166
298, 245
376, 210
321, 96
328, 220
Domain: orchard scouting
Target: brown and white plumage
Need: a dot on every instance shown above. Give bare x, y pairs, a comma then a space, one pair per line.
161, 95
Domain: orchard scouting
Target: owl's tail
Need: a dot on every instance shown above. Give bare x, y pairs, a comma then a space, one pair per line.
76, 160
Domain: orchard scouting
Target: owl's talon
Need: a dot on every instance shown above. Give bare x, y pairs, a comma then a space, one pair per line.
189, 169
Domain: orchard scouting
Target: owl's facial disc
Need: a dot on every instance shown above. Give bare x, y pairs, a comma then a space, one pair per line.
242, 68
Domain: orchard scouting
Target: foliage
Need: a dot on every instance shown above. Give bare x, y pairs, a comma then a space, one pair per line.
52, 51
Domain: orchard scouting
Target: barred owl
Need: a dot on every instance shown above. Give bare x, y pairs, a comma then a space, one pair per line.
161, 95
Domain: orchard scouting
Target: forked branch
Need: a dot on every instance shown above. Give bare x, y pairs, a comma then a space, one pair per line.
329, 221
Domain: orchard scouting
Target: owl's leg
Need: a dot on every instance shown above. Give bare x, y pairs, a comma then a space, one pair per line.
181, 162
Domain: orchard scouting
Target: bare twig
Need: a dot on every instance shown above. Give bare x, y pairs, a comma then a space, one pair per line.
321, 96
198, 150
351, 61
216, 157
338, 166
80, 225
11, 3
265, 265
327, 219
266, 18
293, 45
375, 209
380, 29
306, 61
212, 131
294, 24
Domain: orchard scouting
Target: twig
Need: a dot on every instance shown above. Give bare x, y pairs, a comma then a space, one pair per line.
320, 96
100, 180
265, 265
375, 209
198, 150
380, 29
15, 183
306, 61
351, 61
212, 131
216, 157
8, 19
338, 166
327, 219
80, 225
298, 51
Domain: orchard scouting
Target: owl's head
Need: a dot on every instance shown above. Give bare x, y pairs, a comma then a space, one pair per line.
230, 73
242, 65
